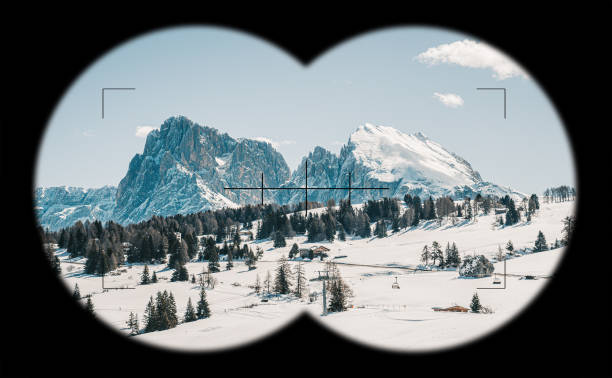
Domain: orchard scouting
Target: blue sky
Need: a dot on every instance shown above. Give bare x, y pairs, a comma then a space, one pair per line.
413, 79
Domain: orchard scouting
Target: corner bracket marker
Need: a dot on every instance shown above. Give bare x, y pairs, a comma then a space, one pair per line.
112, 89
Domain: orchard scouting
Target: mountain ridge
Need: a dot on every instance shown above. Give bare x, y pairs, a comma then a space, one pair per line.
184, 168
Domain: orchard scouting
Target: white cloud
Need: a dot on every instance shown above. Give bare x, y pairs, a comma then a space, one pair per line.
88, 133
143, 131
449, 99
468, 53
275, 144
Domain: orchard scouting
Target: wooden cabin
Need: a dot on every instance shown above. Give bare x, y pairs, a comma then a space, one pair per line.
452, 309
313, 252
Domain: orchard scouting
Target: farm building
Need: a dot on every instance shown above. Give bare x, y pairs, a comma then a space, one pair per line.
313, 252
451, 309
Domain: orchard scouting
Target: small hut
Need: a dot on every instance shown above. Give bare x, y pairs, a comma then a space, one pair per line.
452, 309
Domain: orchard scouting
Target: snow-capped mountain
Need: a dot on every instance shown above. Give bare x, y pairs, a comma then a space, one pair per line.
380, 156
61, 206
184, 168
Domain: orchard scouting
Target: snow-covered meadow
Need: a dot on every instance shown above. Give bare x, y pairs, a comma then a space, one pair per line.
380, 316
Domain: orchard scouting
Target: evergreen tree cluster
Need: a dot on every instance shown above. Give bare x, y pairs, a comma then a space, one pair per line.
47, 241
512, 215
161, 313
449, 258
533, 204
559, 194
381, 229
105, 245
232, 251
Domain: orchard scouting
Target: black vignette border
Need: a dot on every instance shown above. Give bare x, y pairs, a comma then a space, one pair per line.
52, 51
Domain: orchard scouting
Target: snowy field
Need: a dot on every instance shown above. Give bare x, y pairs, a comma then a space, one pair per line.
380, 316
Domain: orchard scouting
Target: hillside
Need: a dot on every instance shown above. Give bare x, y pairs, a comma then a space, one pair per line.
393, 318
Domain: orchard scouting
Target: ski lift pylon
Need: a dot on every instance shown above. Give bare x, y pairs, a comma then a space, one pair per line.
395, 285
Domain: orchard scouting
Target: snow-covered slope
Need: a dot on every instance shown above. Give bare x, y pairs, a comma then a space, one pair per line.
391, 156
381, 316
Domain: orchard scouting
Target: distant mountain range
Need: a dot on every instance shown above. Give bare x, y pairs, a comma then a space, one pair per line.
184, 168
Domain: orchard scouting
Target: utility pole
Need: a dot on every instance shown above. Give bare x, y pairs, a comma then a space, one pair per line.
324, 278
102, 264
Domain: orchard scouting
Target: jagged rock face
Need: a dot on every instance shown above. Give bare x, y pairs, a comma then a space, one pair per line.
184, 168
323, 171
58, 207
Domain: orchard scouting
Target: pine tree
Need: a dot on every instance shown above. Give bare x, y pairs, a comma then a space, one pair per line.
425, 255
282, 281
213, 261
230, 258
300, 281
89, 307
257, 285
341, 234
132, 324
183, 274
202, 306
190, 314
251, 260
294, 250
452, 255
366, 230
154, 278
436, 254
540, 243
475, 305
512, 216
180, 274
500, 254
76, 295
339, 292
279, 240
168, 310
381, 229
395, 224
144, 278
150, 317
569, 225
510, 247
267, 282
